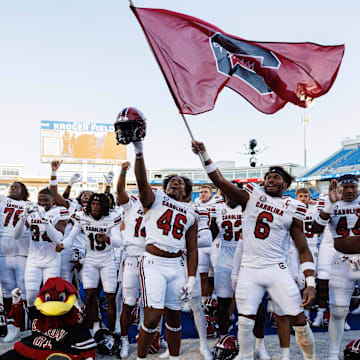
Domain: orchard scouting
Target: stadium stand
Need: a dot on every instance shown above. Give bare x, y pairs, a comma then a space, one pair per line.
345, 160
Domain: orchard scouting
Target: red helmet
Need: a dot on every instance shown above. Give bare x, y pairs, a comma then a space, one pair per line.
130, 125
211, 327
352, 350
210, 307
226, 348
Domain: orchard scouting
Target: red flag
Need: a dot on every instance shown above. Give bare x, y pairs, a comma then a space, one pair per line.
198, 60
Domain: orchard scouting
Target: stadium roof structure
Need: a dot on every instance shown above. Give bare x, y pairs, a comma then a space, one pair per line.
344, 161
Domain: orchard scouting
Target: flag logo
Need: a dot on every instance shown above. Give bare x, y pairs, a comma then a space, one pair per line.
238, 58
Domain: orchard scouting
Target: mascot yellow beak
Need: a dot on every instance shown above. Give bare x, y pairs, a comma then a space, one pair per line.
55, 308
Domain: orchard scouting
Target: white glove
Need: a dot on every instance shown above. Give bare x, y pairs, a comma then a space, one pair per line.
16, 295
234, 279
74, 179
109, 178
188, 289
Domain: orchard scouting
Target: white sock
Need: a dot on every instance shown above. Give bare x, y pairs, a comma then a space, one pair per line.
321, 310
336, 329
246, 337
285, 353
199, 317
259, 342
306, 341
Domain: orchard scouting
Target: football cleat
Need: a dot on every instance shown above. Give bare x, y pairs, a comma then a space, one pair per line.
130, 126
125, 348
12, 334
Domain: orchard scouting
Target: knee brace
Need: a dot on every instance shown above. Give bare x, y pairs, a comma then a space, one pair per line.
149, 331
172, 328
338, 312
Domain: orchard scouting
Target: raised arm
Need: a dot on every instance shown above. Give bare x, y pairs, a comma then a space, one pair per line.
109, 177
231, 191
122, 196
59, 199
320, 221
146, 194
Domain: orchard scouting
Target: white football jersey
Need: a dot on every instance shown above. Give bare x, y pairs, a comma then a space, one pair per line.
110, 225
134, 232
42, 248
266, 227
166, 223
228, 221
345, 218
312, 238
203, 216
10, 211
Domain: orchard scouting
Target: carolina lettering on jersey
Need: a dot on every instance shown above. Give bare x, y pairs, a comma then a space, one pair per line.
173, 206
95, 229
345, 219
269, 208
231, 217
346, 211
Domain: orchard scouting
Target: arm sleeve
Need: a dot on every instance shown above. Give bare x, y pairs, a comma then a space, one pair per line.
19, 228
68, 241
116, 237
55, 235
237, 257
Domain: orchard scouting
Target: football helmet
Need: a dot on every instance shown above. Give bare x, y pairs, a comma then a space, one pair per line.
226, 348
210, 307
352, 350
155, 345
211, 327
130, 126
107, 343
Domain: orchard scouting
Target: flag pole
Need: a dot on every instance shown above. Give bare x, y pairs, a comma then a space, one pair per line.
132, 7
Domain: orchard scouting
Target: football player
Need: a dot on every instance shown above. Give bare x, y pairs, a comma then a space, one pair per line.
47, 224
341, 213
13, 253
268, 219
102, 231
134, 244
170, 228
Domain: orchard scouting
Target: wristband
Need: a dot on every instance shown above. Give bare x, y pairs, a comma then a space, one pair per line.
210, 168
328, 207
310, 281
321, 221
307, 265
53, 173
139, 155
53, 182
205, 156
123, 173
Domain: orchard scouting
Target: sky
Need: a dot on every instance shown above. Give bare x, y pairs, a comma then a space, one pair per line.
85, 60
